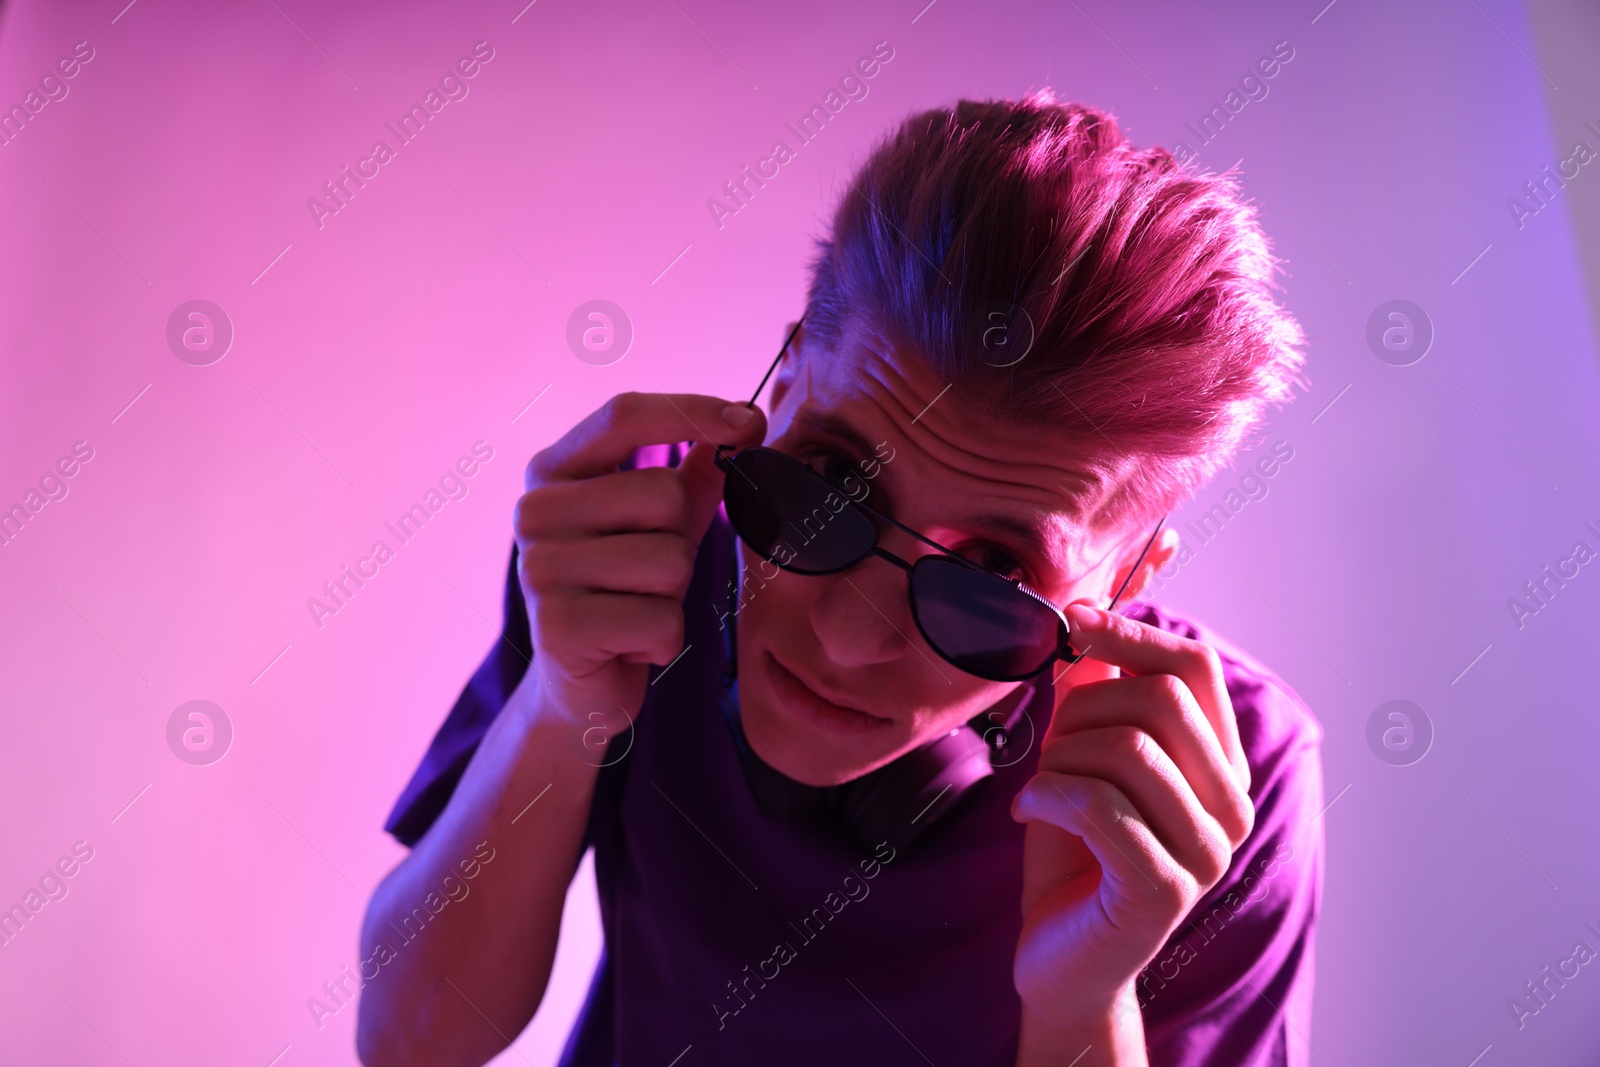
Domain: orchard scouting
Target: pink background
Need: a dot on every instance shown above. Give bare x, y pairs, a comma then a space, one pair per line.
432, 309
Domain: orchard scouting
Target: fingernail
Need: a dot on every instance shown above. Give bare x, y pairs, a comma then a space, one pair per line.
738, 416
1084, 618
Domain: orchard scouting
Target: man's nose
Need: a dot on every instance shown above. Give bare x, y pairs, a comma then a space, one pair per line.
863, 617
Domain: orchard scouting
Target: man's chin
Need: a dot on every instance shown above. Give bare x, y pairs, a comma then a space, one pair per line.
809, 757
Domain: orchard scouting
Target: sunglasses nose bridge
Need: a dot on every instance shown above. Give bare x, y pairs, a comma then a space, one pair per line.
884, 554
891, 531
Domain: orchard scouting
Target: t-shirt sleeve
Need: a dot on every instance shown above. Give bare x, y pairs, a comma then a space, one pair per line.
1232, 987
491, 685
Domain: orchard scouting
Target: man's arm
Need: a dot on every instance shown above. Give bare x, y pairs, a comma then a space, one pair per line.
604, 556
460, 989
1233, 986
459, 992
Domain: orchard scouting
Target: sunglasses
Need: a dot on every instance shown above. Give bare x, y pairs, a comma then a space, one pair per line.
980, 622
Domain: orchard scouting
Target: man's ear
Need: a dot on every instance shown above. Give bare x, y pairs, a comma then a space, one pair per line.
787, 366
1161, 552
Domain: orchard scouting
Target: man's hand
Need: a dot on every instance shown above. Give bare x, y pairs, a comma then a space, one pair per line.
605, 556
1140, 799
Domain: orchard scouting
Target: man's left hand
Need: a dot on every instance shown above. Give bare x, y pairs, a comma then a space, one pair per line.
1140, 800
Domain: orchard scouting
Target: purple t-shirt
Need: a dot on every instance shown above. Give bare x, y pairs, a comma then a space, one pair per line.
733, 938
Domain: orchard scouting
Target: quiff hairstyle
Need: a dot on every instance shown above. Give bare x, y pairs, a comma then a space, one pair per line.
1157, 345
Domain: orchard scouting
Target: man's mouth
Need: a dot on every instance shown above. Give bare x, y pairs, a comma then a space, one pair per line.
806, 703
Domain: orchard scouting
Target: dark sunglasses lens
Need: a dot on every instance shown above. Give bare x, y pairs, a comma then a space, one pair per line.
982, 624
790, 515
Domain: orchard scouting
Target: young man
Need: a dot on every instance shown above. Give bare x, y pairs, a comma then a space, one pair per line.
1025, 341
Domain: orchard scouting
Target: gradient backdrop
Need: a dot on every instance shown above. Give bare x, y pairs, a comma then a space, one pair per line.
372, 347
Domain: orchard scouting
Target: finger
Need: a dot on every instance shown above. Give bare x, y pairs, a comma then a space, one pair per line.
1085, 669
599, 627
1140, 649
1162, 707
1129, 854
1131, 760
630, 420
703, 481
653, 498
658, 564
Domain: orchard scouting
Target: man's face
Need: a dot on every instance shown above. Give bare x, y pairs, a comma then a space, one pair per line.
812, 648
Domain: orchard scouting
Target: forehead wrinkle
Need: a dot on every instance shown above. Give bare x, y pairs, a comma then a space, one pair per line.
834, 425
1060, 512
1074, 493
1044, 539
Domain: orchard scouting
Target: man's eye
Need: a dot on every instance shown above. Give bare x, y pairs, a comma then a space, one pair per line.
835, 467
996, 559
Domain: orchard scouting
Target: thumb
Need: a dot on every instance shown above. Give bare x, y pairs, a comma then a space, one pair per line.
703, 480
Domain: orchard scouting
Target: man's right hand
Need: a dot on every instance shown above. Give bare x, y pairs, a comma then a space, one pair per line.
605, 556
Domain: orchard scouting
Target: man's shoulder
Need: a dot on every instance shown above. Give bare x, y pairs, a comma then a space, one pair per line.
1275, 723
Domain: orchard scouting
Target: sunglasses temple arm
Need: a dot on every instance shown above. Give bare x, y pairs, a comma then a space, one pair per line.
786, 342
1135, 569
776, 360
1071, 655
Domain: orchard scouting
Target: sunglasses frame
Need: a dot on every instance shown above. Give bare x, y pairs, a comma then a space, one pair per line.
1063, 650
725, 455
